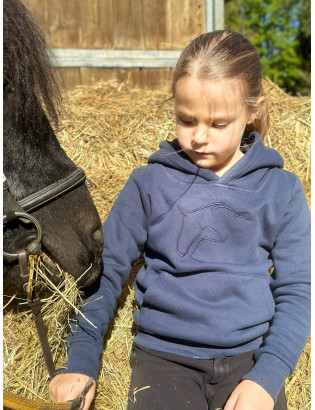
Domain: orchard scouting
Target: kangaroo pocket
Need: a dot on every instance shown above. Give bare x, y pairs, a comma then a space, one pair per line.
217, 309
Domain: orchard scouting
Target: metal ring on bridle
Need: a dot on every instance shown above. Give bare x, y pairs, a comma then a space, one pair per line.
35, 222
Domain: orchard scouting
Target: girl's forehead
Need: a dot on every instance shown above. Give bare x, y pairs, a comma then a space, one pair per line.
223, 94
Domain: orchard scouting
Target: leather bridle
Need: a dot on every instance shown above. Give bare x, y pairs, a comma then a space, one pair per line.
13, 210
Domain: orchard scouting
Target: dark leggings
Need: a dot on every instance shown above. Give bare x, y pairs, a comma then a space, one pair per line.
169, 382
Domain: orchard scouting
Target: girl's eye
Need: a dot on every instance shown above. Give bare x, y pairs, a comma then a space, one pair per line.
185, 122
219, 126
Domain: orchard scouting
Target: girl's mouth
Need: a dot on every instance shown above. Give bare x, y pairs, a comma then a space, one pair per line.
202, 154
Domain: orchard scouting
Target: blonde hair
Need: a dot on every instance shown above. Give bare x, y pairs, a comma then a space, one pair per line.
222, 55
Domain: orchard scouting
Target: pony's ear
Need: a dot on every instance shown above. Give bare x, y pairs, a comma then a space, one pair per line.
256, 111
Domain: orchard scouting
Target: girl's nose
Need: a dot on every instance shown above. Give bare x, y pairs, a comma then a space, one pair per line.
201, 135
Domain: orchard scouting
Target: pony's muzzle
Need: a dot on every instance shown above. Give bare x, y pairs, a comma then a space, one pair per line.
96, 254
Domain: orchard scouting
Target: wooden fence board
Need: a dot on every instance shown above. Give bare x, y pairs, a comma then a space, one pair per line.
39, 9
89, 23
131, 76
68, 78
106, 24
148, 78
187, 21
154, 24
128, 24
153, 78
64, 23
90, 76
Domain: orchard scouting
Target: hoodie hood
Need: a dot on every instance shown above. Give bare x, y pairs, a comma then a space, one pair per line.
257, 159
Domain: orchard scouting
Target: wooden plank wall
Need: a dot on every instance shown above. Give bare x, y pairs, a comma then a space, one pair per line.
119, 24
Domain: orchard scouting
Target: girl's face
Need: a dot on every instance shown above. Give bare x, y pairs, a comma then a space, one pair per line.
211, 116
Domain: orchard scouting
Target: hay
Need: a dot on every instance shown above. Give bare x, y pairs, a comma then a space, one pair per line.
111, 130
24, 370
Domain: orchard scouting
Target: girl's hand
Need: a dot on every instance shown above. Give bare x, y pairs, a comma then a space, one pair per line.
68, 386
249, 395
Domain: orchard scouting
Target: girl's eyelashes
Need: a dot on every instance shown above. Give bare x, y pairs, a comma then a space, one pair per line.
190, 122
184, 122
219, 126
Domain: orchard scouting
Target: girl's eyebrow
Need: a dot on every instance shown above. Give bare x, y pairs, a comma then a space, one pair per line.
215, 118
225, 118
184, 113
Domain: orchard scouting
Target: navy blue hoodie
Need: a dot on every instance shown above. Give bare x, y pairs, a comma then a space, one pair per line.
209, 244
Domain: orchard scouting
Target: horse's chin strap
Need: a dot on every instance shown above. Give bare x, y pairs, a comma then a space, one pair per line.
34, 302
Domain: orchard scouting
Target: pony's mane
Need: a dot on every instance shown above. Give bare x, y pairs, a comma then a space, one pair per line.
27, 71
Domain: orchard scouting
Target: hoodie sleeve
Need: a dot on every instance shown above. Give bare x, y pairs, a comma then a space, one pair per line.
125, 233
290, 285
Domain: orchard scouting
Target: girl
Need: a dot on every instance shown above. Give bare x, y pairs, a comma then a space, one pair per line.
214, 213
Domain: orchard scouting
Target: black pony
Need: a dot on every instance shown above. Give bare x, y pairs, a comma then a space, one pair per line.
33, 159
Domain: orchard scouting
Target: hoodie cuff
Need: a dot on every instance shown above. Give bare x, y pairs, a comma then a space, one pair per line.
269, 372
82, 359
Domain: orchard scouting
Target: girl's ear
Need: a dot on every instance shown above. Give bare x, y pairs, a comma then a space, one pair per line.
255, 111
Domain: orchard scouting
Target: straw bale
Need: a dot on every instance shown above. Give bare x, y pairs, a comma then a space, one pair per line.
110, 130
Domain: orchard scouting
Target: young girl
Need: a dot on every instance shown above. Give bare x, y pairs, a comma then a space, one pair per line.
224, 295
